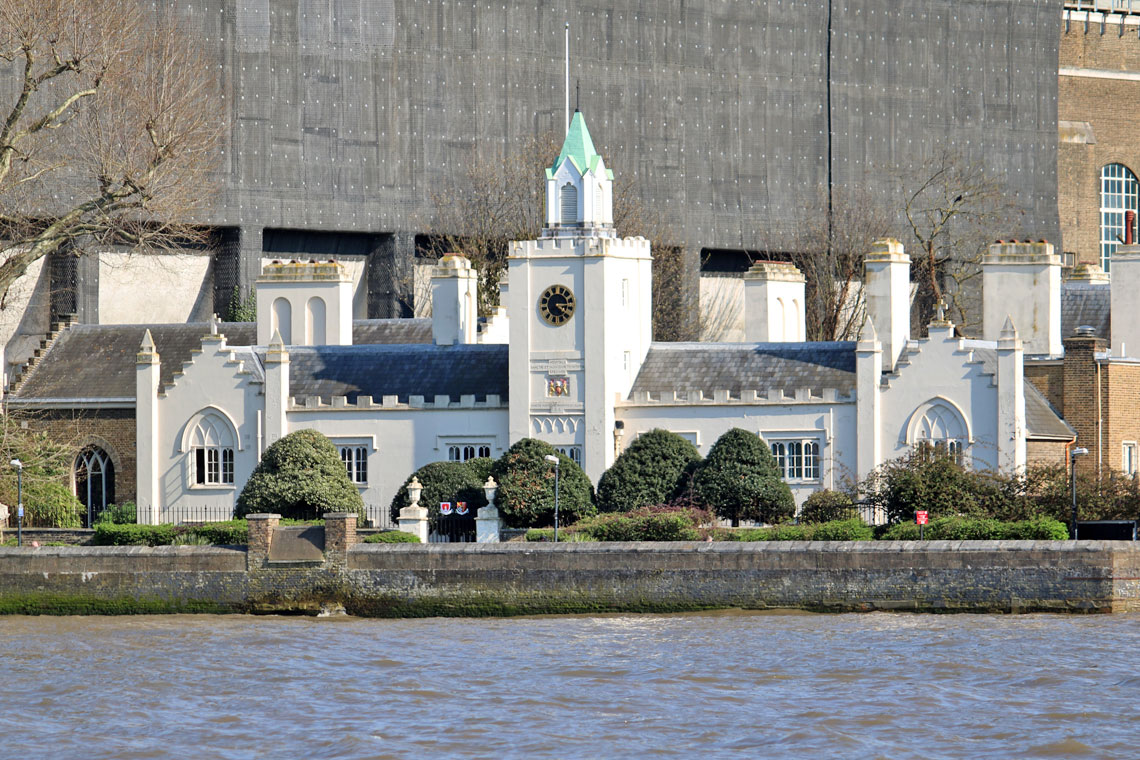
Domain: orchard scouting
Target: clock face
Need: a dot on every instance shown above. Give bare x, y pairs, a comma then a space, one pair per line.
556, 304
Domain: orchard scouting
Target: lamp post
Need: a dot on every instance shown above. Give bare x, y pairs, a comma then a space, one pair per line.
554, 460
1077, 452
19, 501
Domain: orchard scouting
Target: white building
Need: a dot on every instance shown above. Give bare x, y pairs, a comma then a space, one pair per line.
580, 371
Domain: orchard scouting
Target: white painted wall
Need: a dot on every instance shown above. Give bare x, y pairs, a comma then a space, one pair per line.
831, 423
941, 373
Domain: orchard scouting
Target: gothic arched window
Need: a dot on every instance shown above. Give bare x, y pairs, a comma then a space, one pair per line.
940, 429
212, 452
94, 481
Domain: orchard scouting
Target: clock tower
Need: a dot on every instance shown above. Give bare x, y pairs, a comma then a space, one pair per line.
580, 306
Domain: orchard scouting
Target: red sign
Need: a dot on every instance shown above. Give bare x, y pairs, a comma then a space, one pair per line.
461, 507
921, 517
445, 507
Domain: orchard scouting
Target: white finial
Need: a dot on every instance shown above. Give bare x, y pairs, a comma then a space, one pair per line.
213, 324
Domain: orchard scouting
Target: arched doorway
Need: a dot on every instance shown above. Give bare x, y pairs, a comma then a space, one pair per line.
94, 481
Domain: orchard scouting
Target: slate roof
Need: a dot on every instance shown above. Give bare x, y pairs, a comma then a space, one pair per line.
98, 361
401, 370
747, 366
1083, 303
1041, 419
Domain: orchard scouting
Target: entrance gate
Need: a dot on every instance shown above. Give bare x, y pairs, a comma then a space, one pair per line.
455, 524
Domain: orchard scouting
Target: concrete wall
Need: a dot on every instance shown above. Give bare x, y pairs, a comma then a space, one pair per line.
152, 288
508, 579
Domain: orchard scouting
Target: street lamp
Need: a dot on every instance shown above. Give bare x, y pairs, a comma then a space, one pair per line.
1077, 452
554, 460
19, 500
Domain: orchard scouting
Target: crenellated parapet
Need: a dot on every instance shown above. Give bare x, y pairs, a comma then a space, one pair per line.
393, 403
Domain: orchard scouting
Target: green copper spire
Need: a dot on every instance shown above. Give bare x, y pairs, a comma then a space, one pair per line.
579, 148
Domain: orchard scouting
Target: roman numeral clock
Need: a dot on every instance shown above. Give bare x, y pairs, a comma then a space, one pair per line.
556, 305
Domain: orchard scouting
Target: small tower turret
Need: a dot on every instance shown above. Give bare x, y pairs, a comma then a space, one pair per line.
579, 187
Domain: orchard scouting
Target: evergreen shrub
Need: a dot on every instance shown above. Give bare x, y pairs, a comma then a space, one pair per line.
648, 472
300, 476
526, 487
739, 480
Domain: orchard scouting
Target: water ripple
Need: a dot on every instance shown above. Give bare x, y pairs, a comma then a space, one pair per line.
616, 686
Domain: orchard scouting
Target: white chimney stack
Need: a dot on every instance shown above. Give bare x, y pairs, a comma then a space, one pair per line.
774, 303
1125, 273
308, 303
886, 290
454, 301
1022, 282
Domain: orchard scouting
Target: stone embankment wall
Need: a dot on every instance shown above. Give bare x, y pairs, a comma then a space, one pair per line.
400, 580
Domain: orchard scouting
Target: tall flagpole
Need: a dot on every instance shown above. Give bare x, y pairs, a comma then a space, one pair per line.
567, 76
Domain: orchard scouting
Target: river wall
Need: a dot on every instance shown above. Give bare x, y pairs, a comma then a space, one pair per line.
410, 580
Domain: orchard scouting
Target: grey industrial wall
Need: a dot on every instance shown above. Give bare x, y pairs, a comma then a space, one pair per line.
346, 114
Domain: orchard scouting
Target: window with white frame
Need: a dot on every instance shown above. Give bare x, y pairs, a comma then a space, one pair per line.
797, 459
355, 460
461, 452
940, 430
574, 452
212, 452
1118, 194
1128, 458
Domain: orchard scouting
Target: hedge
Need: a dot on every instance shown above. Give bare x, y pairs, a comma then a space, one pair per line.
391, 537
983, 529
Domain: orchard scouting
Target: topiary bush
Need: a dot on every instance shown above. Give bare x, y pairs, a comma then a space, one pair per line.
391, 537
443, 481
738, 480
300, 476
825, 506
526, 487
646, 473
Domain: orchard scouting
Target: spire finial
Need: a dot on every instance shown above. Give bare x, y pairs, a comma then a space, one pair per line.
567, 76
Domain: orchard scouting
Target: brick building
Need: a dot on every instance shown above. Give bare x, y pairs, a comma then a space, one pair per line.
1098, 154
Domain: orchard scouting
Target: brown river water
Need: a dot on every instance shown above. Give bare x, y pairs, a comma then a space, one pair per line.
719, 685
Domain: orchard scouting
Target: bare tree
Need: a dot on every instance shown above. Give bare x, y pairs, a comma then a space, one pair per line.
111, 128
502, 198
829, 250
950, 205
496, 200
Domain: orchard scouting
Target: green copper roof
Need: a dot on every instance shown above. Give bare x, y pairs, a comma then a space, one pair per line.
579, 148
